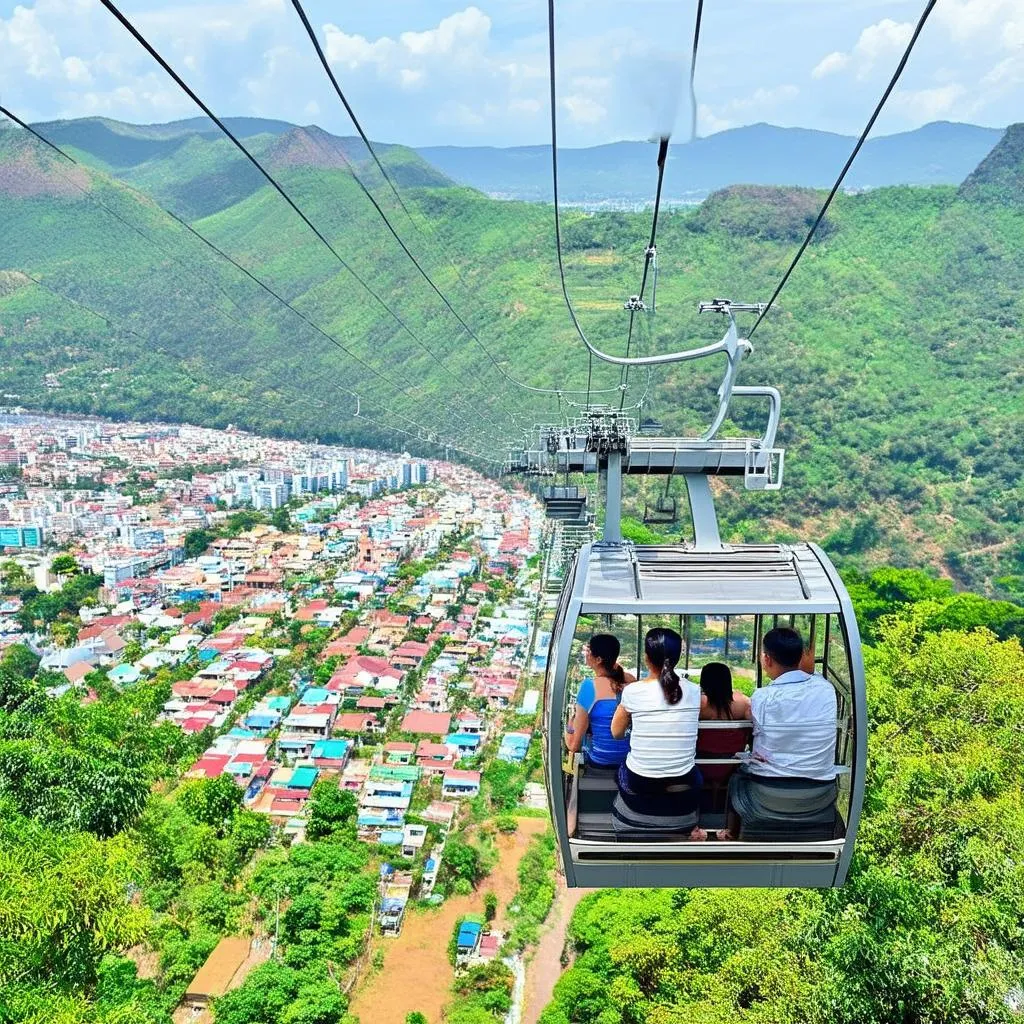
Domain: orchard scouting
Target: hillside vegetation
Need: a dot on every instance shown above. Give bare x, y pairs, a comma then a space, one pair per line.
896, 344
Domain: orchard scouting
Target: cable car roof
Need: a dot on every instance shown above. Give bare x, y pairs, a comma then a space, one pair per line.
736, 579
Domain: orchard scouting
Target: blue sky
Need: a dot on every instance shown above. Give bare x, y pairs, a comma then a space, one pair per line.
447, 71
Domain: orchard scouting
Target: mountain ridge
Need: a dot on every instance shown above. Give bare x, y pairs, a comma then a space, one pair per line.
617, 173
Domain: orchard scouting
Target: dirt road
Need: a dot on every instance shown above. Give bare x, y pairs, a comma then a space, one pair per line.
545, 968
416, 974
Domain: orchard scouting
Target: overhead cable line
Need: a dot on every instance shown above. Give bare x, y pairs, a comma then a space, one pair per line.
184, 86
849, 162
311, 32
650, 253
654, 360
94, 199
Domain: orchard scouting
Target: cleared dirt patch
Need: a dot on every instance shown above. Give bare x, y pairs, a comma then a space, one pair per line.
416, 974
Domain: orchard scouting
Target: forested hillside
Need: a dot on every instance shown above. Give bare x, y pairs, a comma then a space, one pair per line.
896, 344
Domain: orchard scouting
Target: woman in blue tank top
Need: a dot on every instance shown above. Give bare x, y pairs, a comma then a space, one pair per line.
596, 701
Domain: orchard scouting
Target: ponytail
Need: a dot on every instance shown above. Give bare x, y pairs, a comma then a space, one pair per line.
663, 648
670, 684
618, 678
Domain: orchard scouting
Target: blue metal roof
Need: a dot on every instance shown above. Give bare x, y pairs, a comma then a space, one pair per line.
469, 932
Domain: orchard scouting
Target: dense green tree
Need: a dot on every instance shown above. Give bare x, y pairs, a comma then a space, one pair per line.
196, 542
66, 900
331, 809
64, 565
212, 802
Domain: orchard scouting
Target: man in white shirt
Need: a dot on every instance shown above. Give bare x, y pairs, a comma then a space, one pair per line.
794, 735
794, 718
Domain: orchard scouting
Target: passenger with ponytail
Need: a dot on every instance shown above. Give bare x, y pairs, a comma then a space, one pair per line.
596, 701
659, 783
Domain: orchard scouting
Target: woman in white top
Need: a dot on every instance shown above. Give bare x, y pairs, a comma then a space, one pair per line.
660, 783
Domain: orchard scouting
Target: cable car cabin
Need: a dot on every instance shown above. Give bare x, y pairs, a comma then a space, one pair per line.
720, 602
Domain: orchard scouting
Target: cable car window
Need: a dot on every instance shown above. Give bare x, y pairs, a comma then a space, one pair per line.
649, 622
724, 638
622, 627
837, 671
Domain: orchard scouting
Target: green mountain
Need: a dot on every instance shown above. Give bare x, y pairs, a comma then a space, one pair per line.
896, 343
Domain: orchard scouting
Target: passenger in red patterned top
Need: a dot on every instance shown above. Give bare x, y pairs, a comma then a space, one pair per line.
719, 702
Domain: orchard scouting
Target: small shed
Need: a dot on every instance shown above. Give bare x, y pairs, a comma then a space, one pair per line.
214, 978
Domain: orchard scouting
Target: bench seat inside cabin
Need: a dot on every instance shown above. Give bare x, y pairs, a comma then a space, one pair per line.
596, 789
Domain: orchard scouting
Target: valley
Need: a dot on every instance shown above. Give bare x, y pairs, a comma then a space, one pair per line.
896, 346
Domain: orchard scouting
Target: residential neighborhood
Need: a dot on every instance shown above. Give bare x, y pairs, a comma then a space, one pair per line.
368, 629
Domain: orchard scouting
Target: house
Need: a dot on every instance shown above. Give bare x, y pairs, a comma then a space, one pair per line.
356, 723
431, 867
77, 671
316, 695
427, 723
466, 941
458, 784
514, 746
409, 654
399, 753
331, 754
434, 758
463, 744
353, 778
389, 917
413, 838
304, 722
471, 722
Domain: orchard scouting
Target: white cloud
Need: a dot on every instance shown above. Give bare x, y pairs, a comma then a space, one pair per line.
835, 61
761, 105
968, 20
708, 122
355, 51
886, 38
584, 109
922, 105
876, 43
468, 28
34, 47
77, 71
410, 78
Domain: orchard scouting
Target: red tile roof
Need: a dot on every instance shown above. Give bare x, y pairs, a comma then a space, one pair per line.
432, 723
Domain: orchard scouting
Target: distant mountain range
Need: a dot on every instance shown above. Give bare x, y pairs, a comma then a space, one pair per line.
941, 153
618, 174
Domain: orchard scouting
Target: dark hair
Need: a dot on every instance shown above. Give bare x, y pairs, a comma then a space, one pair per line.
663, 647
716, 682
784, 646
605, 648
